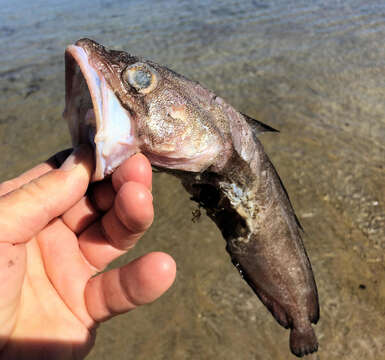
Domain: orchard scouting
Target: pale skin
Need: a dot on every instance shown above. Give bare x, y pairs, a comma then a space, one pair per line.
54, 237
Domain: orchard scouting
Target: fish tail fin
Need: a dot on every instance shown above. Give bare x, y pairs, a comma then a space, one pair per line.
303, 341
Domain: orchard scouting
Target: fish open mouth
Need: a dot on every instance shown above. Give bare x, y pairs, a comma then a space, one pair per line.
95, 115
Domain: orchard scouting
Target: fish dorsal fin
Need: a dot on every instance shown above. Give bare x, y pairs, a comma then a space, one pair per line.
258, 126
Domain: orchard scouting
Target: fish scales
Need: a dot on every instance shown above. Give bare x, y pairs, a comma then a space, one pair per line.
134, 105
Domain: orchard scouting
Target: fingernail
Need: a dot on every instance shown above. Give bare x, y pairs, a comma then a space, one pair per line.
76, 157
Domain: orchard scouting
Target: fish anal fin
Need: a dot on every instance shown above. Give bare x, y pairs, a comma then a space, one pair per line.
276, 310
274, 307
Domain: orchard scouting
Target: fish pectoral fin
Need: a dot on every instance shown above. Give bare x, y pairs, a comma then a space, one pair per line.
258, 126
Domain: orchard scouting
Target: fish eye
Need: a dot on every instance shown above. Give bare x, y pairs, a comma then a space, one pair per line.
141, 77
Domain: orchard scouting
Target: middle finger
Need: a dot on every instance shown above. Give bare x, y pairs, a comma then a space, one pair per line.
120, 228
101, 195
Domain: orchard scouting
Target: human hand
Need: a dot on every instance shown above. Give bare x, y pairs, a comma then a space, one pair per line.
54, 237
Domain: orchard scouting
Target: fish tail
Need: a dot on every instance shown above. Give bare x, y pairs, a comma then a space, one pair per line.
303, 341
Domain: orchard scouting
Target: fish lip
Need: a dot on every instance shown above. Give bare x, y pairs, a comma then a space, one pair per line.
109, 152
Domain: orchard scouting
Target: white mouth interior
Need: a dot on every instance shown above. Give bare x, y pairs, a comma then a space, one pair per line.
95, 115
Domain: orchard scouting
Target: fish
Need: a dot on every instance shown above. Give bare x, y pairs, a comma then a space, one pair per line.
123, 104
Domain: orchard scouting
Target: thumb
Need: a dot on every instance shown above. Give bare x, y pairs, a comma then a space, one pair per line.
27, 210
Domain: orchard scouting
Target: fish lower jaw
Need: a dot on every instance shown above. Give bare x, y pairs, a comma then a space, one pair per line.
111, 149
95, 115
111, 137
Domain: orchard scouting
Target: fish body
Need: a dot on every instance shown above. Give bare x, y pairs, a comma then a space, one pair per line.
123, 104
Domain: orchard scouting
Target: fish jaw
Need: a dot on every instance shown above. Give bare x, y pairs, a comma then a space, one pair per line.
95, 115
170, 128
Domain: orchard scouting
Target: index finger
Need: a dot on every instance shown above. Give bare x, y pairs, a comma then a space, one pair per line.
52, 163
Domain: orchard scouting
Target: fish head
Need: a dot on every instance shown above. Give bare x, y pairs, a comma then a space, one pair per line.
122, 104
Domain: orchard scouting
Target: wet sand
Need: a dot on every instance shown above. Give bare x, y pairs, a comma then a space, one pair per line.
313, 70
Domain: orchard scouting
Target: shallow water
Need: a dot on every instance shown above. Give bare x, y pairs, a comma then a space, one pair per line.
313, 69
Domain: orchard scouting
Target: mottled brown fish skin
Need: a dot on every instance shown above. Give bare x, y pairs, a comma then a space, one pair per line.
237, 185
264, 242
